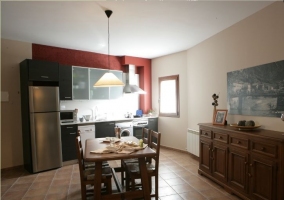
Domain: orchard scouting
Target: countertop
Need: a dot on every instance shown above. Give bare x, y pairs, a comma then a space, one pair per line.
106, 120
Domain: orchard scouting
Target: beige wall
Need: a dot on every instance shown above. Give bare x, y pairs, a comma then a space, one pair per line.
253, 41
12, 53
173, 129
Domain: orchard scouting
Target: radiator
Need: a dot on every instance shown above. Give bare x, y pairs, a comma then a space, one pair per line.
193, 142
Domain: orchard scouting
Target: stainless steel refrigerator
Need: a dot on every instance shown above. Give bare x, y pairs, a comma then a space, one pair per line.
45, 128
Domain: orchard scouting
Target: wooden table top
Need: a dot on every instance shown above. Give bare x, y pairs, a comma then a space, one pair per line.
97, 143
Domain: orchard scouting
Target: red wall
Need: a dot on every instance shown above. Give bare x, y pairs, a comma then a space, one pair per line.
96, 60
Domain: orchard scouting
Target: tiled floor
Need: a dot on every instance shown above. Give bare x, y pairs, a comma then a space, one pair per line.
178, 179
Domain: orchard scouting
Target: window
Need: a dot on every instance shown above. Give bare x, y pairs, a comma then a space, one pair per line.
169, 96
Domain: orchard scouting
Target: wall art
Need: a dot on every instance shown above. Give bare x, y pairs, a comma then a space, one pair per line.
257, 91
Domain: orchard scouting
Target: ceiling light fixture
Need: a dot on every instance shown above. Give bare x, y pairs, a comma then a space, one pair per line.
108, 79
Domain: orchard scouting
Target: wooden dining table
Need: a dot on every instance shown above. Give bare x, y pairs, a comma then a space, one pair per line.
98, 143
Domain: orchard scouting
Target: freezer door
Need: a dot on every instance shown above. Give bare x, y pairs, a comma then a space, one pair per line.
46, 141
43, 98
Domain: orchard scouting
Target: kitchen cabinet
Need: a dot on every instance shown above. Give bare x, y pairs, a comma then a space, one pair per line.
68, 136
153, 124
65, 82
116, 92
249, 164
98, 92
80, 83
104, 92
39, 70
104, 129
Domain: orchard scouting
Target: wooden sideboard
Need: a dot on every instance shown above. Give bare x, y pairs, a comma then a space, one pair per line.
249, 164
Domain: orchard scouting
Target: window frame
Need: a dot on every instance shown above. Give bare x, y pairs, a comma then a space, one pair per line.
176, 79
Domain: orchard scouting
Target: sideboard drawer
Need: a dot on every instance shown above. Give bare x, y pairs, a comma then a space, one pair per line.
265, 149
239, 142
221, 137
206, 133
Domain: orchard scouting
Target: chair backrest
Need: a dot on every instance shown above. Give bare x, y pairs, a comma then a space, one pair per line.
145, 135
79, 135
80, 157
155, 143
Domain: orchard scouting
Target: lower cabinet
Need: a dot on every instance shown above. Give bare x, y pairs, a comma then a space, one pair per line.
68, 138
246, 164
105, 129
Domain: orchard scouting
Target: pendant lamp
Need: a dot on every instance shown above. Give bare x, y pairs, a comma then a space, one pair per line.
108, 79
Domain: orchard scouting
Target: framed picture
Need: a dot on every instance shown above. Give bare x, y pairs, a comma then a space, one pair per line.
220, 117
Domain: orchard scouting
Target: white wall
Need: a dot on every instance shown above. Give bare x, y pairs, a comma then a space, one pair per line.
12, 53
173, 129
253, 41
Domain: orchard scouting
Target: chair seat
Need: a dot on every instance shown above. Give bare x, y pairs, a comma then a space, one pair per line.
92, 164
89, 174
134, 167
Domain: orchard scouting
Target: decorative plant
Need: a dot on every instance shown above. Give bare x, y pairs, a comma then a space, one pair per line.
215, 104
151, 111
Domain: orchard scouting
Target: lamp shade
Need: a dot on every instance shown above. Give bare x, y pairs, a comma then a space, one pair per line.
108, 80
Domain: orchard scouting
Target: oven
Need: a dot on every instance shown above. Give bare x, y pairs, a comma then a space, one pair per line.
138, 124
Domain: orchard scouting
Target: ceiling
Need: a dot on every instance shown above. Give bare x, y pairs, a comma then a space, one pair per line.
146, 29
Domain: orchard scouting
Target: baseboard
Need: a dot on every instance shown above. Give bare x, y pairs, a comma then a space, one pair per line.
11, 168
183, 151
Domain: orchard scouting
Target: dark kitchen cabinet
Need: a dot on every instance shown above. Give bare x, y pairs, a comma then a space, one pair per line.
39, 70
249, 164
153, 124
68, 138
65, 82
104, 129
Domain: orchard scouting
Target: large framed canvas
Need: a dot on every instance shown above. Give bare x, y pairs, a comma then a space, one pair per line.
257, 91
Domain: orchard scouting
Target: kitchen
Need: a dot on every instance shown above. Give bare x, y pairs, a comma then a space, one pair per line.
192, 99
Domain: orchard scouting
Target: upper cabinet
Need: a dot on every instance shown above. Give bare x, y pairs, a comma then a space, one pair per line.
116, 92
80, 83
65, 82
97, 92
39, 70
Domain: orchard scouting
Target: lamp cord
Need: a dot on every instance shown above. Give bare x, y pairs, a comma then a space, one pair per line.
108, 42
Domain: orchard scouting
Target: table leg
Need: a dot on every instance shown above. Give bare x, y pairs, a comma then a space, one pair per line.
98, 180
144, 178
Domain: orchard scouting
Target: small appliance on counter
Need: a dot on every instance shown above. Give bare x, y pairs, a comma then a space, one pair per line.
139, 113
68, 116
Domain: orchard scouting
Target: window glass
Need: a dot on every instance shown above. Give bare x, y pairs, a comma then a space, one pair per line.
169, 96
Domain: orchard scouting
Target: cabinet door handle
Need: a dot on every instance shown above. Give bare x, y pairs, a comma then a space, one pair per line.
44, 76
67, 97
69, 127
72, 133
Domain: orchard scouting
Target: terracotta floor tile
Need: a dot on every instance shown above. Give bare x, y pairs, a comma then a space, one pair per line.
56, 197
168, 175
44, 178
183, 188
165, 191
21, 186
38, 197
171, 197
192, 195
37, 185
11, 195
8, 181
58, 189
36, 192
175, 181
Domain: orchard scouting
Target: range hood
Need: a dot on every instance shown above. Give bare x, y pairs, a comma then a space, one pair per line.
131, 81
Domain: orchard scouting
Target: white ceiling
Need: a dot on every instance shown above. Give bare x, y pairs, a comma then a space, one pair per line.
146, 29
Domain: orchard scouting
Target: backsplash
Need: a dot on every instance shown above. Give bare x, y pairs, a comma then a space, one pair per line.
115, 108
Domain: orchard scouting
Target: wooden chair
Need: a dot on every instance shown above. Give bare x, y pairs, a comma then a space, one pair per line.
145, 137
90, 164
133, 172
87, 175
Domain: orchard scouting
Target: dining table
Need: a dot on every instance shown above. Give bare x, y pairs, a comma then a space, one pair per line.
99, 143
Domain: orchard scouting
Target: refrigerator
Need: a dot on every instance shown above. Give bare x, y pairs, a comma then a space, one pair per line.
45, 128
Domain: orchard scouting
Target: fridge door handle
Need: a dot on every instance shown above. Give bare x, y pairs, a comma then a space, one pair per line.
31, 99
33, 141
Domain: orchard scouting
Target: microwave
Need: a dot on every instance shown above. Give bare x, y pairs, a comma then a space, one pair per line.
68, 116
